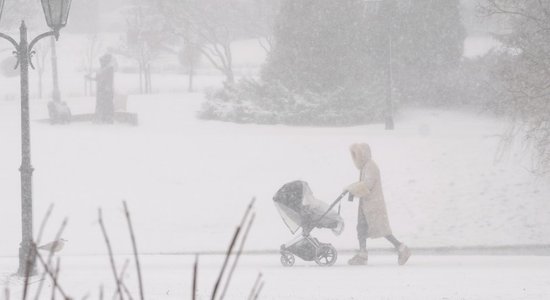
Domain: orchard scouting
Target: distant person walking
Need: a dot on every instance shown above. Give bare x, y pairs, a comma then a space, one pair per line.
105, 91
372, 214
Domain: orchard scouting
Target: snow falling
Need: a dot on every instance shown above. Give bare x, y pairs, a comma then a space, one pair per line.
274, 149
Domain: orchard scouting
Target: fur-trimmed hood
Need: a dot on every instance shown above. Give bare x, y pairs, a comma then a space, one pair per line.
361, 154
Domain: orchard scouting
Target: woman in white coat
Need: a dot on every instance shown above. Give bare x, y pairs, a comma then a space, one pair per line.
372, 217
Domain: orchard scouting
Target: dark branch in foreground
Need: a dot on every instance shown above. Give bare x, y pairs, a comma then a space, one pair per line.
230, 249
52, 276
259, 290
195, 274
57, 268
134, 246
101, 292
50, 257
255, 287
222, 271
121, 277
239, 252
43, 224
111, 258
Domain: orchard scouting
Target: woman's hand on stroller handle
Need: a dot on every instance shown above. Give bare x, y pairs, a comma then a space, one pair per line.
343, 194
350, 194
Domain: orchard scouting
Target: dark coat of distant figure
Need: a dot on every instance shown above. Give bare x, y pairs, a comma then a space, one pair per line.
105, 92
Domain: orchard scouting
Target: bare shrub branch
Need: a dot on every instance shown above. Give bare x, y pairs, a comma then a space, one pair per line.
255, 286
134, 247
110, 250
239, 252
195, 275
50, 256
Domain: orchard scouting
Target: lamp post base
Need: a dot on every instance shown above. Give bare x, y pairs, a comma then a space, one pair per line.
27, 260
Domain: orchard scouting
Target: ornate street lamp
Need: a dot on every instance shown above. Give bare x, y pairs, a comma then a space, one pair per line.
56, 12
388, 11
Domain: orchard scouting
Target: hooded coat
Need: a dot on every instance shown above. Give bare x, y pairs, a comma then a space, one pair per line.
369, 190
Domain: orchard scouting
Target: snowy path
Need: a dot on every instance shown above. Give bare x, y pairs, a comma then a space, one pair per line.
425, 277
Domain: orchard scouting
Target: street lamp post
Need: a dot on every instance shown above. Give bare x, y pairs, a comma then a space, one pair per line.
56, 94
388, 12
56, 13
389, 124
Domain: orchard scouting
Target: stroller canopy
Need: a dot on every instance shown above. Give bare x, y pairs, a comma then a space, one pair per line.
299, 208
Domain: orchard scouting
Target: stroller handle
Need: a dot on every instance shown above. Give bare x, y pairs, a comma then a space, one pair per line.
331, 206
341, 196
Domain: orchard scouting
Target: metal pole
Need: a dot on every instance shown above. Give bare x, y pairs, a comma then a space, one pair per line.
389, 102
56, 94
26, 251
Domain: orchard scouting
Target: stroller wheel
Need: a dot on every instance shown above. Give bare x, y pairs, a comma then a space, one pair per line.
326, 255
287, 259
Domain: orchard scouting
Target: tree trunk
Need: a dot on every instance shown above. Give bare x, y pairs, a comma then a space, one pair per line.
150, 79
190, 82
39, 84
230, 78
140, 78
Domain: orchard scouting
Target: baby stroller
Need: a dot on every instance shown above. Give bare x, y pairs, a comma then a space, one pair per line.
300, 209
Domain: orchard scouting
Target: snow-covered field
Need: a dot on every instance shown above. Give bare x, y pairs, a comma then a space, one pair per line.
187, 181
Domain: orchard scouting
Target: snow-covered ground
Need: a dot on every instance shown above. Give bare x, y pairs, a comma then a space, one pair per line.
187, 181
424, 277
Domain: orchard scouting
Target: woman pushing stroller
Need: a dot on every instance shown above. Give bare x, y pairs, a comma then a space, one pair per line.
372, 214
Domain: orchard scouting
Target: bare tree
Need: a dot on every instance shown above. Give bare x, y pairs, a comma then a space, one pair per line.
93, 48
267, 11
189, 57
144, 40
210, 26
523, 73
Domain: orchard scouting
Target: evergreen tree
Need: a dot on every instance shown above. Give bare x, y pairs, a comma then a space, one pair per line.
340, 62
321, 45
427, 43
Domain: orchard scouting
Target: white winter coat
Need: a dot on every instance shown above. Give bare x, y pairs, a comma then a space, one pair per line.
369, 190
